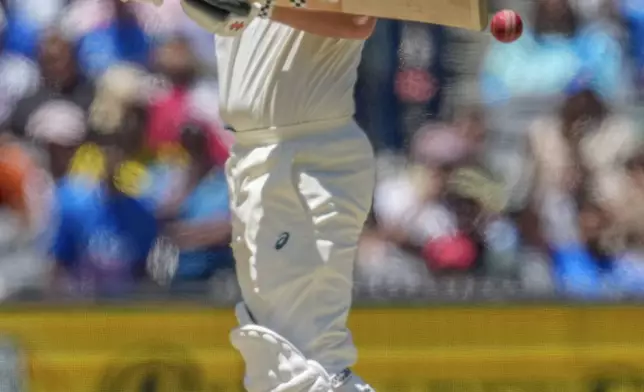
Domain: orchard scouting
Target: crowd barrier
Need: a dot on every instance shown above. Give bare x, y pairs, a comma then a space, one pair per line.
448, 349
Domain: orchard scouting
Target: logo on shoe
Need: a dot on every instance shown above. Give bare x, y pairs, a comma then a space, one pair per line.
282, 240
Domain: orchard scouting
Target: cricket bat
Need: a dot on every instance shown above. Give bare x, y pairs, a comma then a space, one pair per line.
466, 14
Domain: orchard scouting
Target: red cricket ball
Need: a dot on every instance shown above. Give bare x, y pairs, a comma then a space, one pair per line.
506, 26
455, 252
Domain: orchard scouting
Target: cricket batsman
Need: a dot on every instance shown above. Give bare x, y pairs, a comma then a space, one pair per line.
301, 177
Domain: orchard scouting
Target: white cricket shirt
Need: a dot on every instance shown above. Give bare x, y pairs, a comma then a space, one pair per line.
272, 75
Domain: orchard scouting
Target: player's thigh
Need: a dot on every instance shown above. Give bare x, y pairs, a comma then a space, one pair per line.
272, 235
336, 184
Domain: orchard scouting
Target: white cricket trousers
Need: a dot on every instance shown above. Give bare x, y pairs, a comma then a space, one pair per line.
299, 198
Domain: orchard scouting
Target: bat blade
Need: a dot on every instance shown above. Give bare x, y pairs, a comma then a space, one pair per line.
467, 14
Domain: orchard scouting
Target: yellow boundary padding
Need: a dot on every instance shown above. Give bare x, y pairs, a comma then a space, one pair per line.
76, 350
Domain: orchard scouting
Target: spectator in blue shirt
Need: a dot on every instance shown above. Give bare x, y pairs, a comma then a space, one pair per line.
103, 239
106, 229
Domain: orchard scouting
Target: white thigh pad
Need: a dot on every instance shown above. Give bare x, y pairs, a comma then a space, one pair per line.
273, 364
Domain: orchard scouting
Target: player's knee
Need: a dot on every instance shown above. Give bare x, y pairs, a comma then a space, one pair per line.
275, 364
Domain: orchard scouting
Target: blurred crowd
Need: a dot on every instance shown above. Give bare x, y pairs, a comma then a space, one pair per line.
111, 170
111, 164
537, 180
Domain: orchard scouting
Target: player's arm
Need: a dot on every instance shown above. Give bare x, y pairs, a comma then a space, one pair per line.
325, 23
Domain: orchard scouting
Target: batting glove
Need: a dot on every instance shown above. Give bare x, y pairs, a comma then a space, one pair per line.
222, 17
